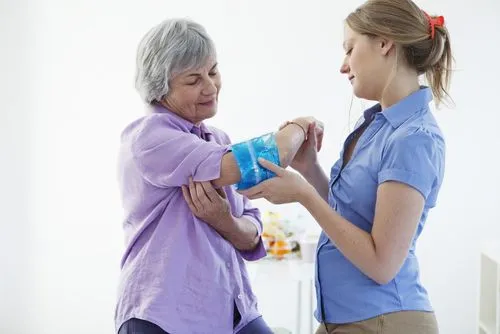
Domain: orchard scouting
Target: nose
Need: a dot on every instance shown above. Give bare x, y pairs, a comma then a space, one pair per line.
210, 87
344, 69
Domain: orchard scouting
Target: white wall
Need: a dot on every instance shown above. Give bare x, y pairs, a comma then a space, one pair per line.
16, 262
67, 91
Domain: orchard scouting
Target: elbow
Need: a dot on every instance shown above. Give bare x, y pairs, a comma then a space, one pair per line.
285, 157
386, 268
383, 279
252, 252
383, 275
248, 246
246, 237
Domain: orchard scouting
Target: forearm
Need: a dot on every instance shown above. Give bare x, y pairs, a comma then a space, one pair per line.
355, 244
289, 139
318, 179
240, 232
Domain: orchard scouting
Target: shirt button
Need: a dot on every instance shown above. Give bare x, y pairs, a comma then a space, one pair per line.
228, 265
240, 296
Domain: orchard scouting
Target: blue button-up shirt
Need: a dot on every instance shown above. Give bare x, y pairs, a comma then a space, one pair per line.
401, 143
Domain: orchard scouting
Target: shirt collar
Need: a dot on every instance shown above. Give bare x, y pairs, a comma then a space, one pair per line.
400, 112
370, 112
178, 121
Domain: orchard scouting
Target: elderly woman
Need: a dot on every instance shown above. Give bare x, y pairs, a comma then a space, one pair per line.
187, 230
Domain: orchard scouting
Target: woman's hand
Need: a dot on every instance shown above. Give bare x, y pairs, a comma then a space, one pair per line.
307, 156
286, 187
212, 206
207, 203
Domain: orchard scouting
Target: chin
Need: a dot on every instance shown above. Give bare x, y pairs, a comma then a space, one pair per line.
358, 92
363, 94
213, 111
210, 113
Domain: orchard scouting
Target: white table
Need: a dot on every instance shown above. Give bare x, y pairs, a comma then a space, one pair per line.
300, 272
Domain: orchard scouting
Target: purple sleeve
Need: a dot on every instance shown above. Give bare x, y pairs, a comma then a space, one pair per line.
167, 157
253, 215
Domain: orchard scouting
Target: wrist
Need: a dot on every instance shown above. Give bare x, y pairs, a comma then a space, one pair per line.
306, 195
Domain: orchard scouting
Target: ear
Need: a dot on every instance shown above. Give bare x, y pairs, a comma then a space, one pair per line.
385, 45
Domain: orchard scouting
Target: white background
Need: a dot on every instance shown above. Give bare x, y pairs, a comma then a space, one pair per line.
67, 91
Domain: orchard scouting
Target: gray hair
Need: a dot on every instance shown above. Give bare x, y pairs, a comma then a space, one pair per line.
169, 48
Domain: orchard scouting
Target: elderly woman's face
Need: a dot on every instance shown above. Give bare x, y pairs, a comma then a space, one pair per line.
193, 94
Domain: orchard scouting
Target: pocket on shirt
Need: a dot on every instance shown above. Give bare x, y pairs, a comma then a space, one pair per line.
203, 303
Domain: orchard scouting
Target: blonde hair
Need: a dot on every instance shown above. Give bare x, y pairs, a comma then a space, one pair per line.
408, 26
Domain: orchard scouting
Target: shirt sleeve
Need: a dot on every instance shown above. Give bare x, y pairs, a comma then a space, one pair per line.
167, 157
415, 159
253, 215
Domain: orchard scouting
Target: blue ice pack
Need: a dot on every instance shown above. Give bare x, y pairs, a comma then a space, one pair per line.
247, 154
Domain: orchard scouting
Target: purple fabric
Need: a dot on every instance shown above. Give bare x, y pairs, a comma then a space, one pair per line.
177, 271
257, 326
137, 326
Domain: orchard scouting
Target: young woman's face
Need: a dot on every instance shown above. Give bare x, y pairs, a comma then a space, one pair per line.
366, 64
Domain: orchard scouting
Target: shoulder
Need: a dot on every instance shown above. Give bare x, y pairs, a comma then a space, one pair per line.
422, 131
414, 154
153, 130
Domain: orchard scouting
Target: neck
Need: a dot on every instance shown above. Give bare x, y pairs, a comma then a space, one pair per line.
174, 110
399, 88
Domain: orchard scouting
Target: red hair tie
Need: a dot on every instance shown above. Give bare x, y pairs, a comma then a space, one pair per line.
434, 22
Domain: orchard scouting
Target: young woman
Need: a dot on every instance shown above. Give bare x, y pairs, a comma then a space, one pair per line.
374, 206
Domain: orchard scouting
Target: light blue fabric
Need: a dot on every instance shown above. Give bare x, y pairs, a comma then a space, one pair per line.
247, 154
401, 143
